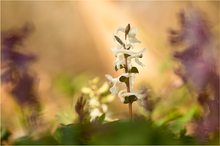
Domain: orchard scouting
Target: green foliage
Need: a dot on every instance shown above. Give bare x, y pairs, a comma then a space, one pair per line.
111, 133
166, 64
173, 111
5, 133
68, 84
119, 132
186, 139
135, 132
100, 119
28, 140
69, 134
179, 123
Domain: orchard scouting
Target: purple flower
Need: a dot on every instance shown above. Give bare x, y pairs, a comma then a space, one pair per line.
15, 65
198, 65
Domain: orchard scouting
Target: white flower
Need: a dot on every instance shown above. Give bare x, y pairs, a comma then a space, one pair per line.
129, 52
136, 59
120, 95
95, 113
132, 78
126, 55
120, 61
104, 108
93, 102
123, 93
131, 34
103, 88
133, 55
136, 56
116, 83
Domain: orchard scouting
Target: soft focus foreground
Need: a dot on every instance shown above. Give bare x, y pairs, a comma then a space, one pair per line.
54, 57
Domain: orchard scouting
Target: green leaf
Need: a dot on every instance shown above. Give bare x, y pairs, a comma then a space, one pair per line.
100, 119
69, 134
136, 132
133, 70
127, 29
45, 139
5, 134
130, 99
119, 40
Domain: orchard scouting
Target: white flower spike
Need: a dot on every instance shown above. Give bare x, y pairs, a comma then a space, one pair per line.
126, 56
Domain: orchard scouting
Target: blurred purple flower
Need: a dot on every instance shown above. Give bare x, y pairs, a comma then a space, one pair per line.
15, 65
199, 64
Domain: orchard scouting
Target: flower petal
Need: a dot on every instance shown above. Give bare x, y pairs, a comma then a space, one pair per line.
122, 29
109, 77
139, 62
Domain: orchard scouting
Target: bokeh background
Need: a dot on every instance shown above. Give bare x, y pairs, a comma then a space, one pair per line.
72, 41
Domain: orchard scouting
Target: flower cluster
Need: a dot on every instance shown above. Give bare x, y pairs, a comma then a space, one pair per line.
127, 57
98, 98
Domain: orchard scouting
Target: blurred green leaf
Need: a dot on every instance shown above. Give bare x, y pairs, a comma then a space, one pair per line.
69, 134
166, 64
169, 117
5, 133
70, 84
180, 123
100, 119
138, 132
28, 140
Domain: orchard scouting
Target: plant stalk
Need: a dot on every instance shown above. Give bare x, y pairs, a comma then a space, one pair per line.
128, 83
128, 88
130, 110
